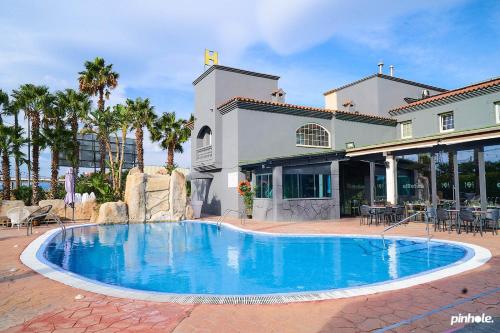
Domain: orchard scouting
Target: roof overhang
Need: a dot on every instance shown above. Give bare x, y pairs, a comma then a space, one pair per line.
456, 138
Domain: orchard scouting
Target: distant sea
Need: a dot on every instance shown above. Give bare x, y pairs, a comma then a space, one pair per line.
44, 185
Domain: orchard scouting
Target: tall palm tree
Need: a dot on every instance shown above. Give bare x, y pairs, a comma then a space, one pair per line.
6, 133
97, 80
18, 141
141, 115
5, 145
171, 133
76, 106
59, 139
34, 100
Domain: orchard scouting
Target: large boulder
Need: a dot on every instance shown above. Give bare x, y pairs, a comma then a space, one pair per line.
135, 196
178, 195
57, 206
189, 215
112, 212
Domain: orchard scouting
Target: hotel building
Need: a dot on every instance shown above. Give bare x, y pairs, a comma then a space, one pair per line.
378, 139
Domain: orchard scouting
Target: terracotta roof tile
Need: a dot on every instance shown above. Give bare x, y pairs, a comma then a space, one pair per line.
301, 107
451, 93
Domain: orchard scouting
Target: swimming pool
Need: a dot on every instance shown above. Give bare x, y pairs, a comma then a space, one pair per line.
191, 260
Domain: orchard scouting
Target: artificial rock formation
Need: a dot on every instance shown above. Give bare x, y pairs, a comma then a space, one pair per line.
112, 212
155, 197
83, 211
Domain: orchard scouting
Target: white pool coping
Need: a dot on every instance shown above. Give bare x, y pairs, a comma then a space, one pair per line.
31, 257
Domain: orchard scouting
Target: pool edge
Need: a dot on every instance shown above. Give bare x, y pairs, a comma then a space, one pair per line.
30, 258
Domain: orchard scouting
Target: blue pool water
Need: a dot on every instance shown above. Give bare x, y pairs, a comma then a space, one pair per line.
198, 258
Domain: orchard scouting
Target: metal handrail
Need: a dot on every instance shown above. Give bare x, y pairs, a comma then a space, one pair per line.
406, 219
29, 225
221, 218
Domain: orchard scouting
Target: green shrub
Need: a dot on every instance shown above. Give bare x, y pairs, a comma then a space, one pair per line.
97, 183
25, 193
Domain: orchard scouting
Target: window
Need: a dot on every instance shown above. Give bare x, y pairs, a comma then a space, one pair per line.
312, 135
497, 112
204, 138
264, 186
446, 122
406, 130
307, 182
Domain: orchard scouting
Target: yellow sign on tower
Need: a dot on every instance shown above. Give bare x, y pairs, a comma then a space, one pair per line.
211, 57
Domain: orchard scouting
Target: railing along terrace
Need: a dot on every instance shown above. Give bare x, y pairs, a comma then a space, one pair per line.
204, 153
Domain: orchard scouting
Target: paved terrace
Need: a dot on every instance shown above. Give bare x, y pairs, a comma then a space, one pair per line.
30, 302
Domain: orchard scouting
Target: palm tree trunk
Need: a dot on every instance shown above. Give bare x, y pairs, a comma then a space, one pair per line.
102, 141
54, 173
139, 138
17, 162
35, 166
76, 148
122, 158
6, 175
170, 156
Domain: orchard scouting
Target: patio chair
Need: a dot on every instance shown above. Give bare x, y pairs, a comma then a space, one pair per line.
366, 215
470, 220
389, 216
38, 216
355, 211
399, 213
431, 216
18, 216
441, 217
492, 219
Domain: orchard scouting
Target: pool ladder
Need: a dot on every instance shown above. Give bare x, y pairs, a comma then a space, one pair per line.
404, 221
241, 213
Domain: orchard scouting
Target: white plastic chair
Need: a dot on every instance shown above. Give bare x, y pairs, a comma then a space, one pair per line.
17, 215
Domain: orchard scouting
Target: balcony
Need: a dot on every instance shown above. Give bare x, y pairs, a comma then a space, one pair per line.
204, 154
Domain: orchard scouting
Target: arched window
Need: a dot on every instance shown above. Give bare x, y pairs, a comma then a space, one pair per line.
312, 135
204, 137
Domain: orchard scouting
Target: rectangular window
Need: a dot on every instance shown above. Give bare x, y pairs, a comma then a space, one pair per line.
307, 186
406, 130
497, 112
264, 186
446, 122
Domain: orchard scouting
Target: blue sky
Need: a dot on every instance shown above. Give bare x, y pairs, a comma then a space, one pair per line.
314, 45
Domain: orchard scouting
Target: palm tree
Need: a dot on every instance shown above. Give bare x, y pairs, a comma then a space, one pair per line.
59, 139
5, 145
141, 115
18, 141
76, 106
6, 149
171, 133
34, 100
97, 80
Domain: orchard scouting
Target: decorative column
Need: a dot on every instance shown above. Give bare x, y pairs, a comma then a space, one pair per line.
391, 178
372, 183
482, 179
433, 181
335, 171
277, 192
456, 181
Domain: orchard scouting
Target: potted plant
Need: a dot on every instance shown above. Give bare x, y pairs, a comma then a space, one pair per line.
245, 190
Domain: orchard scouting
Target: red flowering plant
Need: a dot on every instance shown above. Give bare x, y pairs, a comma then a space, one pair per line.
245, 190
